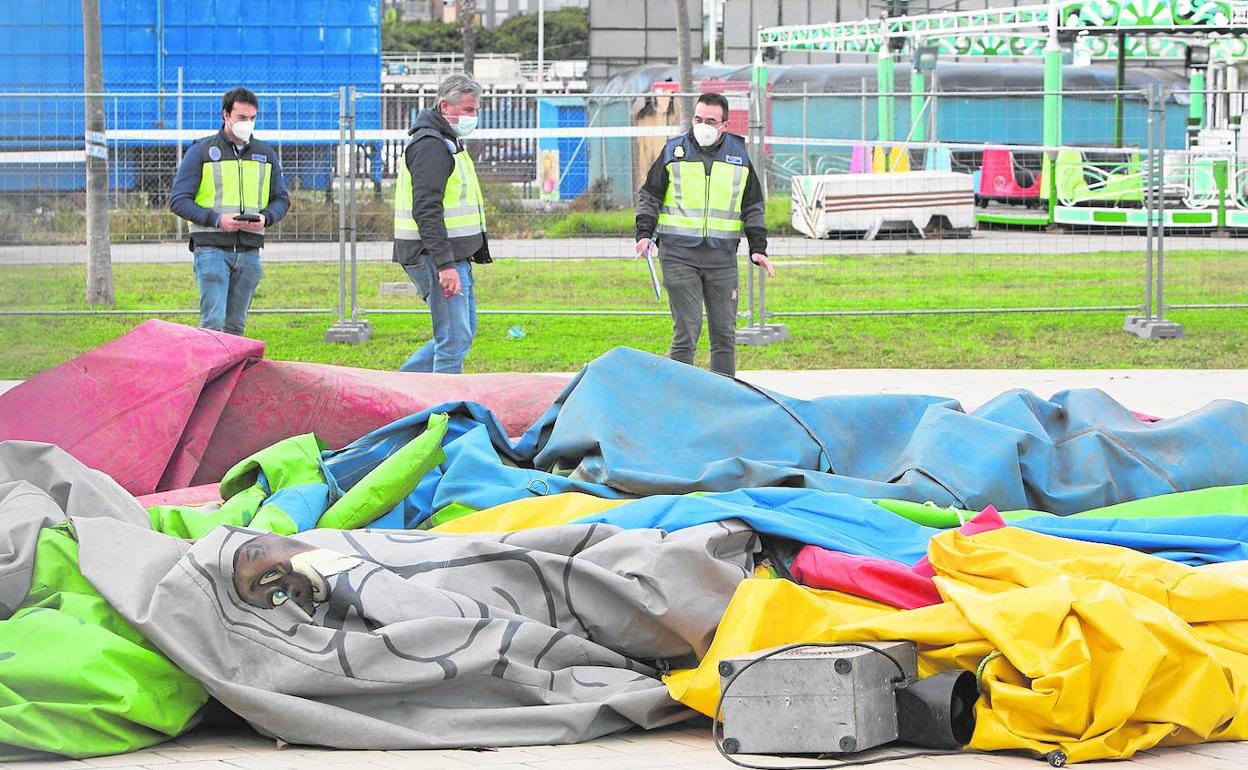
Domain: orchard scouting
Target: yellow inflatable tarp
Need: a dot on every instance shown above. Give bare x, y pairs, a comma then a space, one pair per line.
1097, 650
529, 513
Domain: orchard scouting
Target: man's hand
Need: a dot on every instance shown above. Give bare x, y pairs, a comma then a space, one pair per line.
231, 225
762, 261
256, 227
644, 245
448, 278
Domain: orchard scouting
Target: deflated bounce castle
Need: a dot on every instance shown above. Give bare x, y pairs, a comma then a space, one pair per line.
374, 560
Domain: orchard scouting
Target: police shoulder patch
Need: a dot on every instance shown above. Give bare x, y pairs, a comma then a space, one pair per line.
214, 153
451, 146
679, 151
734, 159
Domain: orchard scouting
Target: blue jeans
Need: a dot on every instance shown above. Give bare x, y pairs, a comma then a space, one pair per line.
227, 282
454, 319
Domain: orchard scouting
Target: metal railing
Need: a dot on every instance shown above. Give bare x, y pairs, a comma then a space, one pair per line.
489, 67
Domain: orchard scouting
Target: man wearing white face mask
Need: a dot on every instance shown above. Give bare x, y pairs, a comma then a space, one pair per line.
439, 224
700, 197
229, 188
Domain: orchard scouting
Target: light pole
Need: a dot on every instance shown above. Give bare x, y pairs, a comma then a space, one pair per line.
1196, 62
924, 66
541, 62
714, 28
541, 43
99, 255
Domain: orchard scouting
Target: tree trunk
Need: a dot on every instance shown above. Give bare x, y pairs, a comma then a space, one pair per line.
684, 64
467, 13
99, 259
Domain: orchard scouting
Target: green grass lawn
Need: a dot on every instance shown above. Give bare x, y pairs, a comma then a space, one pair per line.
1215, 338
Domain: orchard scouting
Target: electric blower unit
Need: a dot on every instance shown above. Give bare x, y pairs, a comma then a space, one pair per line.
822, 699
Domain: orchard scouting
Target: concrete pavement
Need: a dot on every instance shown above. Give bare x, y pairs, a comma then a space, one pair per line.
683, 747
784, 248
1160, 392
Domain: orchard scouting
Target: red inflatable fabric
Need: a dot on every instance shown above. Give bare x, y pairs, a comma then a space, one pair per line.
200, 495
139, 408
276, 399
881, 580
168, 406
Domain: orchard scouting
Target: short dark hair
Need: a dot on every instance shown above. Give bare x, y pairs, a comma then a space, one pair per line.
718, 100
239, 94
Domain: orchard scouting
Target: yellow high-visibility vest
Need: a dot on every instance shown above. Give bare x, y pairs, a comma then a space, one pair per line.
701, 206
233, 186
463, 207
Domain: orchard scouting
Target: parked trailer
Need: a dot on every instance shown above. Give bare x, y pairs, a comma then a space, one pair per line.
829, 205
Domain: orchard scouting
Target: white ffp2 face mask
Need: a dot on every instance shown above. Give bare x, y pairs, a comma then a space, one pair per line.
466, 125
705, 135
242, 130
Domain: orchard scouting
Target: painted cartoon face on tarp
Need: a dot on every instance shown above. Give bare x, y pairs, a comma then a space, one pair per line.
270, 570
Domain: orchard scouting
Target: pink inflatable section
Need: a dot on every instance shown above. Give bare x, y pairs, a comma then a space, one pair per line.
168, 406
276, 399
200, 495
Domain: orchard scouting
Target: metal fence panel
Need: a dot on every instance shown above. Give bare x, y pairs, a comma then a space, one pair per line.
1054, 230
1205, 190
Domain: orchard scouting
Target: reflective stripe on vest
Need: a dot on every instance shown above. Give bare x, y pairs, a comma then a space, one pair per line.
703, 205
233, 186
463, 208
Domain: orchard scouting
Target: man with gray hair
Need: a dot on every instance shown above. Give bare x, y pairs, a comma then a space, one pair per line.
439, 224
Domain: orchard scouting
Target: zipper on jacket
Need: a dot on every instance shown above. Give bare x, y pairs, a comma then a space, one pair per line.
706, 205
238, 163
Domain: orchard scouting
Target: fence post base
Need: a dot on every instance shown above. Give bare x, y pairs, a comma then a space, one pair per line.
352, 332
766, 334
1152, 328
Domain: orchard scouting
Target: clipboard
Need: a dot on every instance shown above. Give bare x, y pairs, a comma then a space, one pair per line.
654, 276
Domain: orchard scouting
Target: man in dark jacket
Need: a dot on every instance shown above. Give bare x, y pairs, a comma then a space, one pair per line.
229, 188
439, 224
700, 196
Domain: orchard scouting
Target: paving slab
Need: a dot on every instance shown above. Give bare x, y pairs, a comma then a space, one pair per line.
699, 754
1161, 392
782, 248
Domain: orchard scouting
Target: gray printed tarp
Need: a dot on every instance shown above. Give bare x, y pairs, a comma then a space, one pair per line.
413, 640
